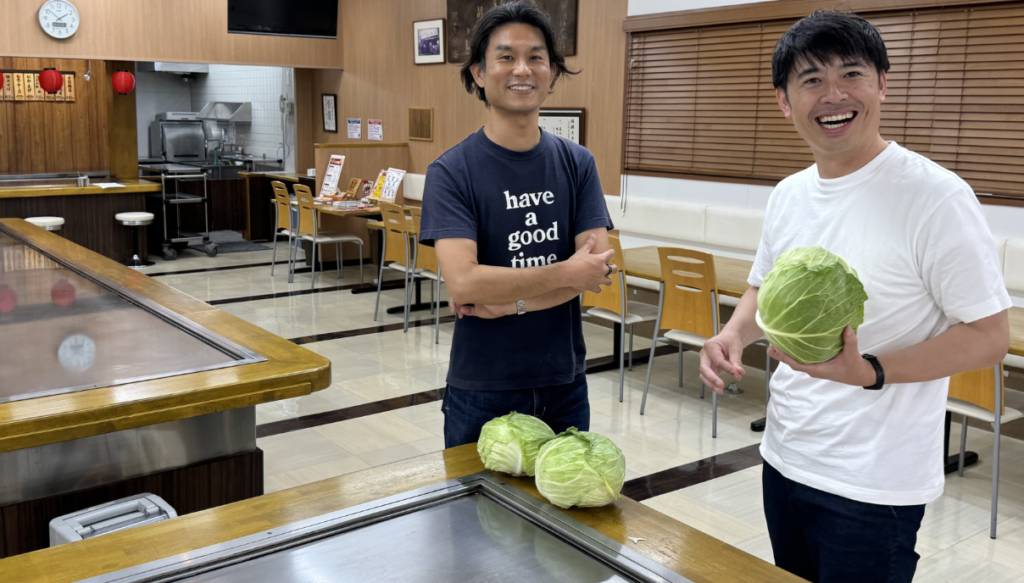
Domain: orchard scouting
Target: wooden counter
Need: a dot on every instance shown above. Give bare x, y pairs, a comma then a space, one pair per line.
284, 176
88, 212
681, 548
130, 186
289, 371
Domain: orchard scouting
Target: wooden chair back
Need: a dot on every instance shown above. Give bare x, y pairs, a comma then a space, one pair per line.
396, 232
307, 212
611, 296
426, 256
691, 291
979, 388
284, 205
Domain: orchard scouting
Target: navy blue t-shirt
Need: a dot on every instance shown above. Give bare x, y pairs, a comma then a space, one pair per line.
523, 209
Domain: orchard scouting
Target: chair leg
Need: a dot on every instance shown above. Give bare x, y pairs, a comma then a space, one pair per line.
996, 431
338, 259
360, 264
963, 446
622, 362
380, 277
654, 344
437, 311
408, 276
312, 267
714, 414
431, 299
680, 365
273, 256
631, 348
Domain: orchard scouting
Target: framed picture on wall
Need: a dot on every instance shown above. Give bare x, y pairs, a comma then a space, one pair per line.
462, 16
330, 112
568, 123
428, 39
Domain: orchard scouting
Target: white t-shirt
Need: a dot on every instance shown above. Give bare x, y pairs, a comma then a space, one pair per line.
915, 233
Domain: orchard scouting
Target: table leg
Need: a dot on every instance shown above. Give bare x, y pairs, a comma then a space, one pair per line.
952, 461
418, 305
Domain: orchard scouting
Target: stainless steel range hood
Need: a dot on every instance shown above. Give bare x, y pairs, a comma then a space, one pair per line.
174, 68
226, 111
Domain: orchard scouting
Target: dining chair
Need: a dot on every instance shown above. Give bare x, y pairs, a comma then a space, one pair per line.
398, 252
309, 230
689, 309
426, 266
283, 218
612, 305
979, 394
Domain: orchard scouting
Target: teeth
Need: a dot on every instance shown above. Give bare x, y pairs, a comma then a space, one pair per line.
522, 87
836, 118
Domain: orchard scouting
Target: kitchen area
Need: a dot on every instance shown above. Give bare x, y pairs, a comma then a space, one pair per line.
164, 138
198, 127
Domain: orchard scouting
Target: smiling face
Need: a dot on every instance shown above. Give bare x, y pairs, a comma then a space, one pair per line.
836, 108
516, 75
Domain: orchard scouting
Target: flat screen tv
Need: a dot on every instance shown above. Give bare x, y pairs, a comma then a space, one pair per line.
312, 18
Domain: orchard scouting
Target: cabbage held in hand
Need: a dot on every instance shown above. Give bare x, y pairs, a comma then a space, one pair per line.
807, 300
509, 444
580, 468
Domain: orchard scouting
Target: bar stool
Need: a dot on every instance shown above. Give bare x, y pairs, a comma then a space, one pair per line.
135, 220
48, 223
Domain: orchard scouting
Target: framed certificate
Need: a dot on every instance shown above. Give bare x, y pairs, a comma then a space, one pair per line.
330, 112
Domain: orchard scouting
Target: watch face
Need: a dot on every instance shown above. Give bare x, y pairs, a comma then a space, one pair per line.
59, 18
76, 353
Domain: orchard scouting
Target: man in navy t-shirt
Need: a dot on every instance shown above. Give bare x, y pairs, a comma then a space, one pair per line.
521, 229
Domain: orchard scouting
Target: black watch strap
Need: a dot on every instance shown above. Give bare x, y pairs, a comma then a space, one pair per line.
879, 373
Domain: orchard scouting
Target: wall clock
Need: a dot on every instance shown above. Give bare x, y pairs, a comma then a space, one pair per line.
59, 18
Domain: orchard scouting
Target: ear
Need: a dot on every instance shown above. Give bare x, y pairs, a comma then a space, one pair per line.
882, 86
478, 74
783, 99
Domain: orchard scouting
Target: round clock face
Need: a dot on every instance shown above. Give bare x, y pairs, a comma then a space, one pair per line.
76, 353
59, 18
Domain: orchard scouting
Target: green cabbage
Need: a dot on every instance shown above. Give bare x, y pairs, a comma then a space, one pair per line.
580, 468
807, 300
509, 444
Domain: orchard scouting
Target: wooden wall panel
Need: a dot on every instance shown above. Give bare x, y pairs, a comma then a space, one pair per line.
304, 157
380, 81
43, 136
122, 139
193, 31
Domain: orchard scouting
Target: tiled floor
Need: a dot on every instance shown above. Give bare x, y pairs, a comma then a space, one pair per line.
676, 429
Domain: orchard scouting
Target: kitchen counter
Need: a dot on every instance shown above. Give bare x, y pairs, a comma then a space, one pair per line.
131, 185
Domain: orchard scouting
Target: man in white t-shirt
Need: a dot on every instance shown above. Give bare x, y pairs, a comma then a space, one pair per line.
853, 448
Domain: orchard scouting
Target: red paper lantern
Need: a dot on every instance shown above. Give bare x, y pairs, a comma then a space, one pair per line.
62, 293
8, 299
51, 80
123, 82
1, 79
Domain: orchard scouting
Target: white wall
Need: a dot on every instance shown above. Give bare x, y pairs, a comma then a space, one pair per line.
156, 93
638, 7
1005, 222
262, 87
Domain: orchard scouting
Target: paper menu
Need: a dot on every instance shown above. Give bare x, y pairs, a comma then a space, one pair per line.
378, 185
355, 128
391, 181
333, 174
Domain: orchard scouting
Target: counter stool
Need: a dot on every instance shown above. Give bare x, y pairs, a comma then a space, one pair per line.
135, 220
48, 223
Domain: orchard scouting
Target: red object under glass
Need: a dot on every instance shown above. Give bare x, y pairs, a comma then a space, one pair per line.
62, 293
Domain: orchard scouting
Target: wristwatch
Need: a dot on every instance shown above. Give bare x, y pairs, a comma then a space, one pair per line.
520, 307
879, 372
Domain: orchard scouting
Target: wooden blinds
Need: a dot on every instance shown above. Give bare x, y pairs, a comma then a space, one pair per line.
700, 100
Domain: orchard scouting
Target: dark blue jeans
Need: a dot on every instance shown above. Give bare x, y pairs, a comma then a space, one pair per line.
561, 407
830, 539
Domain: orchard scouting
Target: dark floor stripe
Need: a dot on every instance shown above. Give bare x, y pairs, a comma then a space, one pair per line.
208, 269
288, 294
318, 419
691, 474
364, 331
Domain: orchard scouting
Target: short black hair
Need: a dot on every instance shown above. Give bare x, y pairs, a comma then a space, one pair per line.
826, 35
510, 13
